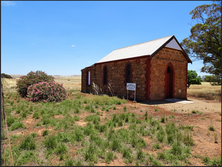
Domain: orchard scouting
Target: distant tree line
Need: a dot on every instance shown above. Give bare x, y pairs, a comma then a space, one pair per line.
3, 75
214, 80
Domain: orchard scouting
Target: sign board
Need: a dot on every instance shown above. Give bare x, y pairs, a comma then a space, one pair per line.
131, 86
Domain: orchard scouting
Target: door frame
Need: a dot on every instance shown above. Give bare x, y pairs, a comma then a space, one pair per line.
172, 78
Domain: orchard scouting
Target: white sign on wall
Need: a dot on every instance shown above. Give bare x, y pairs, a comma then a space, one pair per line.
131, 86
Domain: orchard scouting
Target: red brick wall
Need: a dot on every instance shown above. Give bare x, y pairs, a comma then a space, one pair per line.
145, 90
116, 78
84, 84
158, 68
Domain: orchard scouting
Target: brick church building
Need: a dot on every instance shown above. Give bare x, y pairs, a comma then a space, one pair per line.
158, 67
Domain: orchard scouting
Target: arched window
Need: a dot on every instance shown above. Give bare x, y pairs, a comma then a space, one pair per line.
128, 73
168, 69
104, 75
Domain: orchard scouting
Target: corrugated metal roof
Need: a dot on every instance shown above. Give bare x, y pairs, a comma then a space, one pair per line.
142, 49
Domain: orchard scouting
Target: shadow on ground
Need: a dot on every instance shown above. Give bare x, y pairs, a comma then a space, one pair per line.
166, 101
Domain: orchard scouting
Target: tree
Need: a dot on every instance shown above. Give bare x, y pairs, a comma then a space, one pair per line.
3, 75
204, 43
192, 78
212, 79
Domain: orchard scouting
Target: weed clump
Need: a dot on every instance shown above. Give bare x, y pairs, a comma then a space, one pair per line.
92, 118
51, 142
45, 133
109, 157
211, 128
61, 149
28, 143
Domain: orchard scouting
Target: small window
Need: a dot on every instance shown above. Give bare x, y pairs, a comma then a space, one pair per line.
128, 73
88, 77
104, 75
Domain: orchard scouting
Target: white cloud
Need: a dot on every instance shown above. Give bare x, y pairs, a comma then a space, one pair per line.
8, 3
72, 45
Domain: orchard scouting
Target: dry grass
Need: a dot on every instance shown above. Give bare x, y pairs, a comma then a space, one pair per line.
206, 91
9, 83
70, 83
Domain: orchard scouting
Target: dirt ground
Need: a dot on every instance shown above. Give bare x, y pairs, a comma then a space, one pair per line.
206, 144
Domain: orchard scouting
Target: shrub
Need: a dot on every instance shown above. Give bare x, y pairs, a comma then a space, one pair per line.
32, 78
46, 92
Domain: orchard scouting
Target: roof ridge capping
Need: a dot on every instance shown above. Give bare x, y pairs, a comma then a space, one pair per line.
145, 42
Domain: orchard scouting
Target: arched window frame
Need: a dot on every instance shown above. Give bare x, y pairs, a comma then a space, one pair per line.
128, 73
105, 75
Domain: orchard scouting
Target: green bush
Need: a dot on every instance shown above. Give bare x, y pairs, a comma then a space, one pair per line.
32, 78
46, 92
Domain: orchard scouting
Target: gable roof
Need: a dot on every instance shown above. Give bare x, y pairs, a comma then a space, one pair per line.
144, 49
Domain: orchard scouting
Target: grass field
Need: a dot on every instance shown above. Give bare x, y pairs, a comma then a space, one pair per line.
96, 130
206, 91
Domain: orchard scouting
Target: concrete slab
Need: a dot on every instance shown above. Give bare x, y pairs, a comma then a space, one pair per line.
179, 101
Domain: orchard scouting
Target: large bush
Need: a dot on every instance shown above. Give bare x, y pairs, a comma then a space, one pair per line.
32, 78
46, 92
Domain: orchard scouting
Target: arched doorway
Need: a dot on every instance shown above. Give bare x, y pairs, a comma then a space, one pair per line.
169, 81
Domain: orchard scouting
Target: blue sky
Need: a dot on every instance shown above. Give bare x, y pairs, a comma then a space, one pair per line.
63, 37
